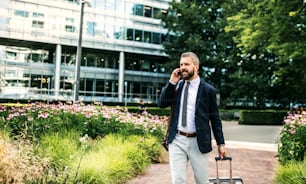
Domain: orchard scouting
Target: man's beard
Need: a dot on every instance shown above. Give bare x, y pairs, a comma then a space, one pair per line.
188, 76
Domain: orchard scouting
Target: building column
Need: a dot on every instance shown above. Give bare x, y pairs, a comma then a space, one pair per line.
121, 77
57, 75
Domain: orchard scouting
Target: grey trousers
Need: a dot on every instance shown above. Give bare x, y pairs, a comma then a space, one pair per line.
181, 151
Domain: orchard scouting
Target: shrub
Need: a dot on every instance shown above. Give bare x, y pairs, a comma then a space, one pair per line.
34, 120
152, 110
292, 172
292, 142
230, 114
55, 131
262, 117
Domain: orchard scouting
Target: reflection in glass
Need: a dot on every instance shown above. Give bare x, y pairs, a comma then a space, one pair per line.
138, 9
148, 11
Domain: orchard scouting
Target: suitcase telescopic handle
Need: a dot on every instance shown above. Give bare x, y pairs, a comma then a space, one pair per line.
217, 169
224, 158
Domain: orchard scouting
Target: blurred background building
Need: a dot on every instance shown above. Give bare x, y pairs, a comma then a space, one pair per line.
121, 58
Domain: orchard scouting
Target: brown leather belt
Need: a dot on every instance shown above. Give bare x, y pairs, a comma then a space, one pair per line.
187, 134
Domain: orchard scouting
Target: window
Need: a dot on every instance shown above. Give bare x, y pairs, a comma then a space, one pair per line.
156, 38
138, 35
69, 20
21, 13
90, 60
91, 28
68, 58
100, 87
37, 24
38, 15
138, 9
156, 13
148, 11
65, 83
11, 55
70, 28
100, 62
86, 87
72, 1
147, 37
130, 34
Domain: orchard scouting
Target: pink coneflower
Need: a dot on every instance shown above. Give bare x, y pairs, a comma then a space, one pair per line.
292, 131
43, 115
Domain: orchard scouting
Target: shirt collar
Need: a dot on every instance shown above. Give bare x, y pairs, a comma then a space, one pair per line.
195, 81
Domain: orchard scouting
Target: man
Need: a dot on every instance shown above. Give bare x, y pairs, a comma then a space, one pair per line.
189, 135
142, 107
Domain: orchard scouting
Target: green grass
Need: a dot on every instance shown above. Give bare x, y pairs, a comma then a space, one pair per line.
60, 147
293, 173
109, 160
112, 160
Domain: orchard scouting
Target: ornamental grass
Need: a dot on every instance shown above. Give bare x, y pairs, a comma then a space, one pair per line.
67, 143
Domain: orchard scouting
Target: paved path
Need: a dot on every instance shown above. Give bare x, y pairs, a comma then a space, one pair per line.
253, 150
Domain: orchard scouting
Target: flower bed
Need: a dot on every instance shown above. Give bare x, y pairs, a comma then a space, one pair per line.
292, 142
78, 143
292, 150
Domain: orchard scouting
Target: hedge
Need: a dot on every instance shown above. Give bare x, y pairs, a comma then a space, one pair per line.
224, 114
152, 110
262, 117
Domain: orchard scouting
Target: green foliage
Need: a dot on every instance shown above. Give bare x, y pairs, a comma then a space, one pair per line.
78, 143
35, 120
151, 145
292, 172
292, 142
229, 115
225, 114
248, 50
262, 117
151, 110
196, 26
60, 147
273, 27
113, 159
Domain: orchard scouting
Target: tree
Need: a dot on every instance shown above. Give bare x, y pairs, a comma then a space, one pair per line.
195, 26
199, 26
278, 27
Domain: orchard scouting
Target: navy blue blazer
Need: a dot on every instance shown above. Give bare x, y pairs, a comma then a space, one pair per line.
206, 111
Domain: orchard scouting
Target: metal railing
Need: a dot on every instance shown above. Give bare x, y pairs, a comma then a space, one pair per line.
22, 93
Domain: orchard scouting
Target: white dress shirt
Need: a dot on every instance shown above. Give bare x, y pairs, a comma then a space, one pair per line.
191, 102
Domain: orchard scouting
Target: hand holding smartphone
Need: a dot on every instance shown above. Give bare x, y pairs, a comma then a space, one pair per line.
179, 73
176, 75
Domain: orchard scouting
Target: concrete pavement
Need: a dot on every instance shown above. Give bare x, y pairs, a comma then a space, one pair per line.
251, 133
253, 149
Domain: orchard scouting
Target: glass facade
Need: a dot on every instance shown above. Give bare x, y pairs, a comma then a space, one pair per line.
38, 42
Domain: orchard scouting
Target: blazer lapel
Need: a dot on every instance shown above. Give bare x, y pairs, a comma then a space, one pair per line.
178, 98
200, 91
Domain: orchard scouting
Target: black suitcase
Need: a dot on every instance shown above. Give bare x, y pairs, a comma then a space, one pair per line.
225, 180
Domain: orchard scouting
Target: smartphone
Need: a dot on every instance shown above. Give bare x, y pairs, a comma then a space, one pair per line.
179, 74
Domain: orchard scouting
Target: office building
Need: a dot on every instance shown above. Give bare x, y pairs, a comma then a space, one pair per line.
121, 58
